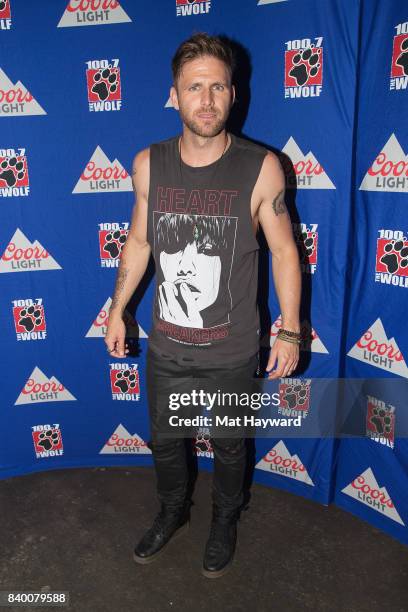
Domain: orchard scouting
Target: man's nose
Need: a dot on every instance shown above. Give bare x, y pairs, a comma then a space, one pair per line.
207, 96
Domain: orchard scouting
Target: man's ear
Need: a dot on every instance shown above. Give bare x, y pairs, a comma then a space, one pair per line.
174, 97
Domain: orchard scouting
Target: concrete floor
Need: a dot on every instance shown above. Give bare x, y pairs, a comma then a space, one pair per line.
75, 530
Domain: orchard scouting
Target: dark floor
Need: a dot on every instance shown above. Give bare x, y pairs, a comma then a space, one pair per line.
75, 529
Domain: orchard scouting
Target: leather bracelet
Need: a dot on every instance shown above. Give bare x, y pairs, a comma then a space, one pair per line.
292, 334
288, 339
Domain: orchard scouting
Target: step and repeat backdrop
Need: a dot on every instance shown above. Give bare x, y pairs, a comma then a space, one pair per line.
84, 85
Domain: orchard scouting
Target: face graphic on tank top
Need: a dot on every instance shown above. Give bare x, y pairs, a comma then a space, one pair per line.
199, 271
191, 266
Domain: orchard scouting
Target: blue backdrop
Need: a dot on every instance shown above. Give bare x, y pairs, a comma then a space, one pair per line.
83, 87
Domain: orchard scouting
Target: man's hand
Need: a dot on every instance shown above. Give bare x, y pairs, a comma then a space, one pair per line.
287, 355
170, 308
115, 337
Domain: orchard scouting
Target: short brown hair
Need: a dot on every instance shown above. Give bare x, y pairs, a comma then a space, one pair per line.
201, 44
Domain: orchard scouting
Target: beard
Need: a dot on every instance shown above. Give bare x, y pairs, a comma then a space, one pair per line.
206, 130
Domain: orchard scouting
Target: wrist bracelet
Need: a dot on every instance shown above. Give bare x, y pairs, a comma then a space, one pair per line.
291, 334
288, 339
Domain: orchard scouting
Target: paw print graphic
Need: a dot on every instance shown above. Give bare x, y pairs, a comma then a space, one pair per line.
402, 59
305, 65
295, 395
395, 256
202, 442
126, 380
48, 439
11, 170
30, 317
114, 243
382, 420
105, 82
307, 245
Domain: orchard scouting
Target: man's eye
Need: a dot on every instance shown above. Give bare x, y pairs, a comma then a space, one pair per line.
220, 87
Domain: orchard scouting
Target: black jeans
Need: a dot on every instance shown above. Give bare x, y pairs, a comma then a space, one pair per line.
169, 454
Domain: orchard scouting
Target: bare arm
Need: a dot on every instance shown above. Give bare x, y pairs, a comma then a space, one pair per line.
276, 225
275, 222
136, 252
134, 257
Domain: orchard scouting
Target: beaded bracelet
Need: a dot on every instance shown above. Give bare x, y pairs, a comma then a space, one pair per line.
292, 334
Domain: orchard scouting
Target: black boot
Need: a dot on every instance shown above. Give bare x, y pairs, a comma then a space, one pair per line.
220, 547
168, 524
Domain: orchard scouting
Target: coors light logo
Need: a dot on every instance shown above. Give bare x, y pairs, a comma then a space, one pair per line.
309, 174
101, 174
399, 62
21, 255
123, 443
279, 461
92, 12
389, 171
365, 489
39, 388
16, 100
375, 349
99, 326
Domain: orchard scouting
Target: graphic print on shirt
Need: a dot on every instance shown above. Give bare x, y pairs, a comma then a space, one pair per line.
194, 255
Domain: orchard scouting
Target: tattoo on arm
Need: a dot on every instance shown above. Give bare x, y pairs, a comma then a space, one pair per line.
120, 284
278, 203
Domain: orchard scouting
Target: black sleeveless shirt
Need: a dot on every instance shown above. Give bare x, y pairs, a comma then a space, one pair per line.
206, 255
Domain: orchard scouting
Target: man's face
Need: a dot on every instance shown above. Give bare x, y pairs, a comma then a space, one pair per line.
199, 271
204, 95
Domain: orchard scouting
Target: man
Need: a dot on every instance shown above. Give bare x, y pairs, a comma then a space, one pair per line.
200, 199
